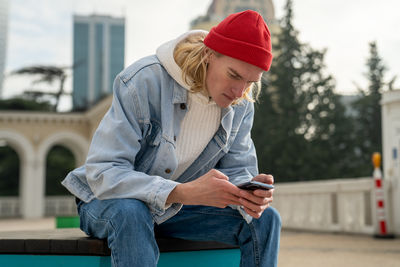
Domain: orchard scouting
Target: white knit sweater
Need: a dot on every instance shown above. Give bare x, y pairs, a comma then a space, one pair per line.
203, 116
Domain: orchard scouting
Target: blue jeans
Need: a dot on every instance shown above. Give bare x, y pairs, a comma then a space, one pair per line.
129, 228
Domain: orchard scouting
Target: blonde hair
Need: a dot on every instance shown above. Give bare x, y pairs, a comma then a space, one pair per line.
191, 56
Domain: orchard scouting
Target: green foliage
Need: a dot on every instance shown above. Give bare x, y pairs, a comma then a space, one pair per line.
60, 161
368, 123
47, 74
9, 172
300, 125
19, 103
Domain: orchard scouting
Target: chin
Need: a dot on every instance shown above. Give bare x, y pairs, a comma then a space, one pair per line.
223, 104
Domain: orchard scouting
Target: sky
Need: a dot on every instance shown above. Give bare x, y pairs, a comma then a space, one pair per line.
40, 32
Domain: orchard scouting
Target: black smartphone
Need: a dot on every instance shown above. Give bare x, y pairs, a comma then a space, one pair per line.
253, 185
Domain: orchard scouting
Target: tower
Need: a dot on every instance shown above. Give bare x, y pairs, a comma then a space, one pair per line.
98, 56
220, 9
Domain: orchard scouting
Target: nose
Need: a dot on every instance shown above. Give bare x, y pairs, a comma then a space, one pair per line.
238, 89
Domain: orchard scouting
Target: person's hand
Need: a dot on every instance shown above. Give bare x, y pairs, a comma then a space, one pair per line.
211, 189
255, 202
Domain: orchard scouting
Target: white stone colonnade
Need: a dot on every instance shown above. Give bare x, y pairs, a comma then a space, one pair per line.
33, 134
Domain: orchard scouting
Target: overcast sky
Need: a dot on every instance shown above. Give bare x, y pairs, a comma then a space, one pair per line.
40, 32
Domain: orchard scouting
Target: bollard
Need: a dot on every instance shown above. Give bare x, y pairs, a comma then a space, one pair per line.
380, 198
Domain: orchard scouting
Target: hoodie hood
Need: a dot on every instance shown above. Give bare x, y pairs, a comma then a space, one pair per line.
165, 54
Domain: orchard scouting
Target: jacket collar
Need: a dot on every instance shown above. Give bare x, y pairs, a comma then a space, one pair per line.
180, 94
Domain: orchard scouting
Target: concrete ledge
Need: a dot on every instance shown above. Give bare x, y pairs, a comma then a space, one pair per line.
75, 242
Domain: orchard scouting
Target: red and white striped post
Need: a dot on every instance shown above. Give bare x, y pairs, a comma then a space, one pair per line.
380, 198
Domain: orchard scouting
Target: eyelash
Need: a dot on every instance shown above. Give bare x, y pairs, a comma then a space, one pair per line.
233, 76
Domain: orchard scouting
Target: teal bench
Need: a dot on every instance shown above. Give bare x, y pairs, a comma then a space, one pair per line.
72, 248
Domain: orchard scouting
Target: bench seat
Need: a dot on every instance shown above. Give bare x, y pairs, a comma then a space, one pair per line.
72, 246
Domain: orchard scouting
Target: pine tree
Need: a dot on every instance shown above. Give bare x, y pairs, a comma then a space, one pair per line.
299, 118
368, 109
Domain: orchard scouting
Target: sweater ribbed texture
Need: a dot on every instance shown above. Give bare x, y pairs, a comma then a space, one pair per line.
197, 128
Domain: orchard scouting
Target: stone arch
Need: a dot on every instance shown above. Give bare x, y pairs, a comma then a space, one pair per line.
20, 143
26, 154
75, 142
58, 163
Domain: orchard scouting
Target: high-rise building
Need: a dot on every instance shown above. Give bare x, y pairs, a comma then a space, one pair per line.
98, 56
3, 39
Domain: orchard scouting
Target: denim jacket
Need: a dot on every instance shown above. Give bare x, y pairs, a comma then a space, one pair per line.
132, 154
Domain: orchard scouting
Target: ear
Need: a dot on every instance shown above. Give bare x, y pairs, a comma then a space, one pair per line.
208, 55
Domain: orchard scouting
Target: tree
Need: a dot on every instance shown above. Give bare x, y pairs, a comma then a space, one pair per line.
298, 120
47, 74
9, 171
368, 111
60, 161
21, 103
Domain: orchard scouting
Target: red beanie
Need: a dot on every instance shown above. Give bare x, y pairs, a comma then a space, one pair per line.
243, 36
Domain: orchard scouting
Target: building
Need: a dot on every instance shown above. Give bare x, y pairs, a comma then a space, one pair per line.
32, 135
220, 9
3, 39
98, 56
391, 160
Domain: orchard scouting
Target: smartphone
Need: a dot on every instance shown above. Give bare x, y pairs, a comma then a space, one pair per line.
253, 185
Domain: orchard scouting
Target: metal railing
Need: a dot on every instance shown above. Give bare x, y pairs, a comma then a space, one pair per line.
54, 206
9, 207
60, 206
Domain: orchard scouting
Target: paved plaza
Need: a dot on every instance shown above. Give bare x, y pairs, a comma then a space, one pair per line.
300, 249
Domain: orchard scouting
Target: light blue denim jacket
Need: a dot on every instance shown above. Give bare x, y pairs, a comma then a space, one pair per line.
132, 154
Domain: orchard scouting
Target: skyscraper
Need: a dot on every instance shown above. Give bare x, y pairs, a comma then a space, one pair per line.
3, 39
98, 56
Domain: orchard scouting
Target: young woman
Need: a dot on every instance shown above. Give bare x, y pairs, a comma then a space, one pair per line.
174, 145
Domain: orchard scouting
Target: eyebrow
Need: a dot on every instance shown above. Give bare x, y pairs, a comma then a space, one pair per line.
239, 76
